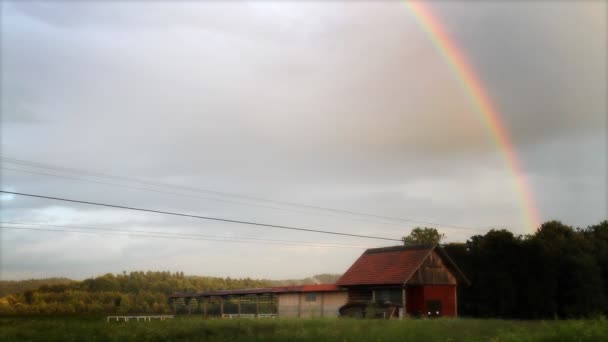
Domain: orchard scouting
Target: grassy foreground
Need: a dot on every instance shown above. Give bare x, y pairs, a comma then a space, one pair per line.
195, 329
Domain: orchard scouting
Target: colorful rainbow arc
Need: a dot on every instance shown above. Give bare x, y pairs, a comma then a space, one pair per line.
486, 112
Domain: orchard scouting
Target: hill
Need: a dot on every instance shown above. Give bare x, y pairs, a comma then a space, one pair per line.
8, 287
134, 292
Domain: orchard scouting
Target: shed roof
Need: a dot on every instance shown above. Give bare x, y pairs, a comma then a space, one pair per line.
306, 288
392, 265
320, 288
222, 292
275, 289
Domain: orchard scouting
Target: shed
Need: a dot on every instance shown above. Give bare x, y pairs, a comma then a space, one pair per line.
321, 300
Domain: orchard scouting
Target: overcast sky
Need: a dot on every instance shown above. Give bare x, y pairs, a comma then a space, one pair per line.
342, 105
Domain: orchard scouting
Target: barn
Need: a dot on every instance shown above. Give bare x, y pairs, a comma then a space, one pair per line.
421, 279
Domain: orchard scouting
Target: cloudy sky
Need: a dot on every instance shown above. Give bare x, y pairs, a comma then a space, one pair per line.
344, 105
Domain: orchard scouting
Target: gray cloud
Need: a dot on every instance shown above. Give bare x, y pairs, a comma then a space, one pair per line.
344, 105
544, 66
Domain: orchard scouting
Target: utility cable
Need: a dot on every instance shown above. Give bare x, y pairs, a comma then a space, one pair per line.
199, 216
332, 244
200, 196
227, 194
170, 237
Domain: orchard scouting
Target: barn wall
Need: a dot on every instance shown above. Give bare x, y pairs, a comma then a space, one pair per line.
433, 271
326, 304
446, 294
288, 304
310, 309
332, 302
414, 300
359, 294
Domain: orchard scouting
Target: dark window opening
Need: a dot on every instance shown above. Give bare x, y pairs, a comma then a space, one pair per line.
394, 296
433, 308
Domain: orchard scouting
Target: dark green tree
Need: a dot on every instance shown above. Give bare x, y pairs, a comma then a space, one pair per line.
423, 236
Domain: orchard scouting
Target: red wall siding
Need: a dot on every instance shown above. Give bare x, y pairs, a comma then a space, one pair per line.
446, 294
414, 300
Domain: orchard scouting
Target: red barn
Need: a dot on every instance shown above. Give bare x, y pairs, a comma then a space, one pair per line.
423, 279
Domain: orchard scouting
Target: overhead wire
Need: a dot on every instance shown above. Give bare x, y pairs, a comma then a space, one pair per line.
199, 216
174, 237
232, 195
132, 233
221, 238
199, 196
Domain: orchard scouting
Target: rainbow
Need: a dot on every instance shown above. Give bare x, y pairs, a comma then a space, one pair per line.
486, 112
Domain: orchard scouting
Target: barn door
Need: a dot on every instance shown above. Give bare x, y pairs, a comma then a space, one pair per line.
433, 308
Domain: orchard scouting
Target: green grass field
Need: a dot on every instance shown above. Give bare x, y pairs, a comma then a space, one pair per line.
196, 329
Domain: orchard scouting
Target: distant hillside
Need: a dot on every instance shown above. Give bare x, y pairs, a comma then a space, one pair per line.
316, 279
17, 286
134, 292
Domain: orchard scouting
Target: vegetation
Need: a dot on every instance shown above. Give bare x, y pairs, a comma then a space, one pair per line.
556, 272
196, 329
423, 236
134, 292
17, 286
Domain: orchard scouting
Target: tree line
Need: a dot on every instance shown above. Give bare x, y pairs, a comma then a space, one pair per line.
557, 272
8, 287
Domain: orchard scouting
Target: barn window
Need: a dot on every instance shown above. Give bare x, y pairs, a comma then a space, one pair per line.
311, 297
393, 295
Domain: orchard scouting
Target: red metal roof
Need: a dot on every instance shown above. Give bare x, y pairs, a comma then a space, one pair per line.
222, 293
320, 288
385, 266
306, 288
275, 289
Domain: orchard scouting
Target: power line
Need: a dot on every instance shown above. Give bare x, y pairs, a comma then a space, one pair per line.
232, 195
200, 217
220, 238
170, 237
192, 195
186, 188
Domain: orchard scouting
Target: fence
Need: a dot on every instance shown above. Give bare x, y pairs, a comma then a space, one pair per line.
256, 305
137, 318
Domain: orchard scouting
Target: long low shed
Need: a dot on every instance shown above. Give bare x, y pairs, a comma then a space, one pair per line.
322, 300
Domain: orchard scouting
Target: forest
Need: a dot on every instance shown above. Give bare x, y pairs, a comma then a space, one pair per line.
557, 272
8, 287
123, 293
